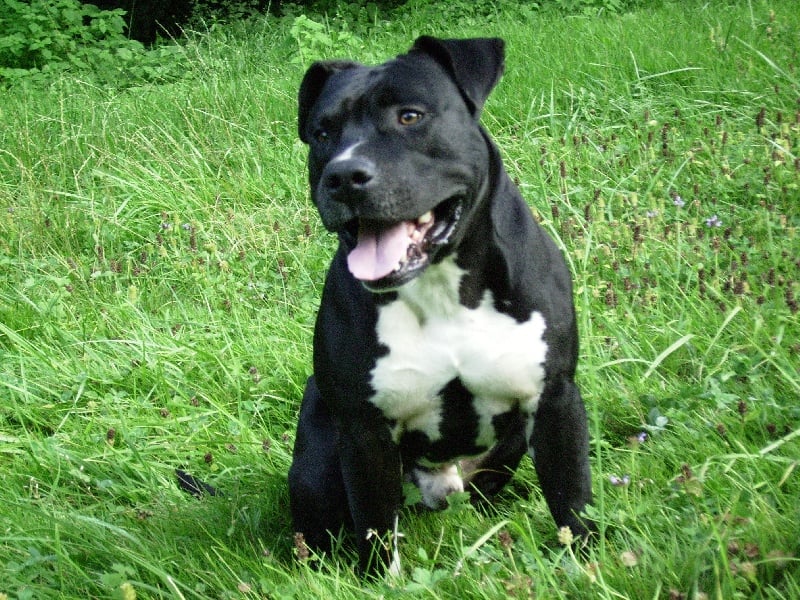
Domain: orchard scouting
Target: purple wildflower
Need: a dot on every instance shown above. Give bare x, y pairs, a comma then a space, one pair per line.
619, 481
678, 201
713, 221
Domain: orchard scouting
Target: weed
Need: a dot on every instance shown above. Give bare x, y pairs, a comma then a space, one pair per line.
43, 38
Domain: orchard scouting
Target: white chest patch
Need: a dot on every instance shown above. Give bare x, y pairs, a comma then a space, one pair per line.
433, 339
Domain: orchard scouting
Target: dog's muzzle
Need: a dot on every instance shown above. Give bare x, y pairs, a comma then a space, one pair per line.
388, 252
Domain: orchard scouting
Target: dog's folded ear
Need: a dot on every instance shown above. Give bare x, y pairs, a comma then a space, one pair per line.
311, 87
475, 64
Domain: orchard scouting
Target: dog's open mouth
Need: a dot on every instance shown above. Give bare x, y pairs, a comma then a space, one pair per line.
389, 254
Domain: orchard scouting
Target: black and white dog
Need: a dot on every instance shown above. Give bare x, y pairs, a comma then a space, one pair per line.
446, 330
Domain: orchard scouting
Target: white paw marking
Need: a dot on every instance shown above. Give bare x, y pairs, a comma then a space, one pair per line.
436, 485
395, 570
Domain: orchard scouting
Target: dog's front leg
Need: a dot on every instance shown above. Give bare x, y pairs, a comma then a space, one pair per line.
372, 473
316, 490
560, 445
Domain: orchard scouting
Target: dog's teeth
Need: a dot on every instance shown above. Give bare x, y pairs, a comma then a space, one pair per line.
426, 218
413, 252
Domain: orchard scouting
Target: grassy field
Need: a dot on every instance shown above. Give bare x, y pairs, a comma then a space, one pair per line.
160, 268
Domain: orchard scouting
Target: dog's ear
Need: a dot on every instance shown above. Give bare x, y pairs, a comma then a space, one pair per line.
474, 64
311, 87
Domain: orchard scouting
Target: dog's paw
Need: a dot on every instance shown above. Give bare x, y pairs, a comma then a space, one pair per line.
438, 483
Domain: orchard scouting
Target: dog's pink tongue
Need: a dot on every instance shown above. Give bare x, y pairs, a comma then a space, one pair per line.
379, 250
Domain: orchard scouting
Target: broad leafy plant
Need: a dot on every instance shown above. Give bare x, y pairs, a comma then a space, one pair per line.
43, 37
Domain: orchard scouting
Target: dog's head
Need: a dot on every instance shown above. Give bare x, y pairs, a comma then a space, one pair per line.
397, 159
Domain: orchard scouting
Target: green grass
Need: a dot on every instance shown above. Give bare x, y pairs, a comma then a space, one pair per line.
160, 268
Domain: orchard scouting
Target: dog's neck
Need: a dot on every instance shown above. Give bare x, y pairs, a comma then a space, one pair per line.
435, 293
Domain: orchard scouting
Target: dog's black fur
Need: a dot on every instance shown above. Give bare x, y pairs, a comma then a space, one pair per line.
399, 147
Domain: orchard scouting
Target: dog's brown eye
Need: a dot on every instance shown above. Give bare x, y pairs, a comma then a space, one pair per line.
409, 117
321, 135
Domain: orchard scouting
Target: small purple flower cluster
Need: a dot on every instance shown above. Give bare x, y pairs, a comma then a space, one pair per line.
712, 221
634, 440
619, 481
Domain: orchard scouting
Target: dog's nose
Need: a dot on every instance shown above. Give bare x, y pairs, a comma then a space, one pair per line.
352, 174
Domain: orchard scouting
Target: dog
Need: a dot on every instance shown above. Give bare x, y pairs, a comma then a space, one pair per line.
445, 344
